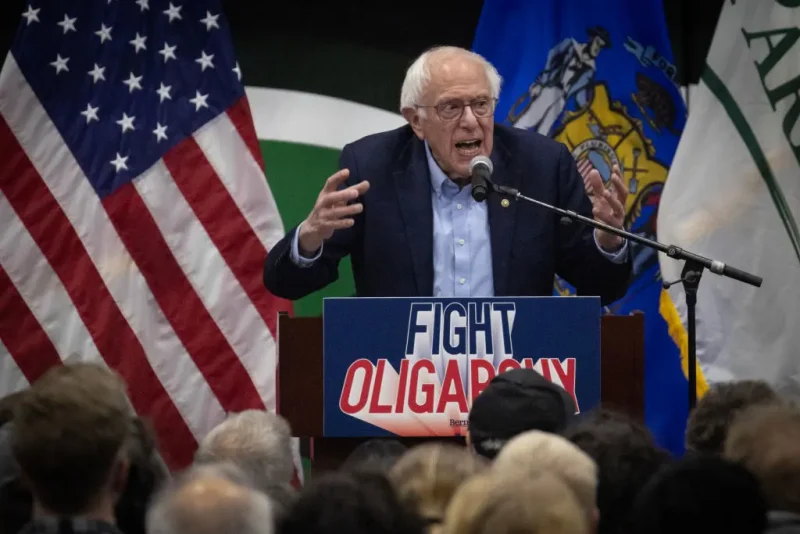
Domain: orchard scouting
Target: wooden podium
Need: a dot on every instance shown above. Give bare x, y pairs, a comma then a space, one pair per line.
300, 381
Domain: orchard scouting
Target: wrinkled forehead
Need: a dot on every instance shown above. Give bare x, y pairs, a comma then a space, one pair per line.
457, 77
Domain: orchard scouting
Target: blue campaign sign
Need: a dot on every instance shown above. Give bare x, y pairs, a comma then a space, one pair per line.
411, 366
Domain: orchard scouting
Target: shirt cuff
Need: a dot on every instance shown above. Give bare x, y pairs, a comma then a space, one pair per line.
298, 259
616, 256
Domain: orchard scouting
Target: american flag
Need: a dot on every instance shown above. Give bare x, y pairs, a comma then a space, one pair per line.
134, 210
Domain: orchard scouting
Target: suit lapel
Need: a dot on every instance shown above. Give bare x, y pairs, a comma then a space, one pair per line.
413, 187
502, 218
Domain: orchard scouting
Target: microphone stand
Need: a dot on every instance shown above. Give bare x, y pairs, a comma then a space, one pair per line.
690, 275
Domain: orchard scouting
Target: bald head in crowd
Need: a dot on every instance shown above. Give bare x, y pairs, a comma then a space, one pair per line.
211, 499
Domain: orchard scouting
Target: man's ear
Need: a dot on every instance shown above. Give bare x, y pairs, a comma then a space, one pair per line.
415, 120
595, 521
119, 474
469, 441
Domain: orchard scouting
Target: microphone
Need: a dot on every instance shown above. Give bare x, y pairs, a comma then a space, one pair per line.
480, 170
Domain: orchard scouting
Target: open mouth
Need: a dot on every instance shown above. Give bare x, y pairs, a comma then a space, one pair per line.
469, 148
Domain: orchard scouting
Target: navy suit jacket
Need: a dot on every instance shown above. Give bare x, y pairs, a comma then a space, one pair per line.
391, 243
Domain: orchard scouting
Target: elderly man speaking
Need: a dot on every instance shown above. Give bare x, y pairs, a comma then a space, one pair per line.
402, 207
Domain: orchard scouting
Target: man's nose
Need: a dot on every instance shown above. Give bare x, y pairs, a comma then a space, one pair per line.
468, 118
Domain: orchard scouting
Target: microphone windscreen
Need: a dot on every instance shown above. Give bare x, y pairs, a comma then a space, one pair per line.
482, 161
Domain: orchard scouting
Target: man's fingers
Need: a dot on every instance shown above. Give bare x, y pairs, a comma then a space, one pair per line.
333, 210
345, 195
362, 187
339, 224
619, 188
340, 197
616, 206
343, 211
604, 215
617, 182
335, 180
593, 183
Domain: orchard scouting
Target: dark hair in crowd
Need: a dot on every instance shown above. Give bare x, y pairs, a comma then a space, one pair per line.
70, 427
715, 411
700, 494
146, 475
375, 454
626, 456
357, 502
7, 405
282, 496
16, 502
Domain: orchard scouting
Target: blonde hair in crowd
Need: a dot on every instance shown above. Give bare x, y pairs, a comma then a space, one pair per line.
527, 503
427, 476
535, 451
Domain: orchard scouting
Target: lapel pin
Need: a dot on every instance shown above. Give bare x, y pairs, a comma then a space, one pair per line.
505, 203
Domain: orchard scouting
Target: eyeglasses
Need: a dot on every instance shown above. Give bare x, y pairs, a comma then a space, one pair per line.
452, 110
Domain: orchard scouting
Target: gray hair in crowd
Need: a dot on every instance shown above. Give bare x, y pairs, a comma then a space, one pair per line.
191, 504
418, 74
259, 442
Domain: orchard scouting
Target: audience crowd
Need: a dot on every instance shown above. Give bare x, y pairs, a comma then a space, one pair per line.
74, 458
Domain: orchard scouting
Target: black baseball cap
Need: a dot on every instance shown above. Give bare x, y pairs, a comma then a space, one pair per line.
514, 402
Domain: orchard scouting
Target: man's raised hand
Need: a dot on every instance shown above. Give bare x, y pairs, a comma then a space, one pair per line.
331, 212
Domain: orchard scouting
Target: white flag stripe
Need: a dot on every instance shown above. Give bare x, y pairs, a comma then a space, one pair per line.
294, 117
212, 279
54, 162
242, 177
41, 288
11, 377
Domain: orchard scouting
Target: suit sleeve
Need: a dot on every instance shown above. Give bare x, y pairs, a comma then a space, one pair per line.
580, 262
285, 279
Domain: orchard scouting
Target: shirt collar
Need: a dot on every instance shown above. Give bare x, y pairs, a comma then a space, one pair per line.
438, 177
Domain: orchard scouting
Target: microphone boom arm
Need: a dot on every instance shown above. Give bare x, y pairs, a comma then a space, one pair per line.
673, 251
690, 275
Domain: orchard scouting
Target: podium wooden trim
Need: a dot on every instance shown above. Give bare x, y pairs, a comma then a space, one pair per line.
300, 381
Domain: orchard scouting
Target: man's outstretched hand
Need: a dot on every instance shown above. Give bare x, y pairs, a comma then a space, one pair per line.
608, 205
331, 212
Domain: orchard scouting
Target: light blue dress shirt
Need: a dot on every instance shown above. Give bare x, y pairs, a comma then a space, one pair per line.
462, 251
462, 248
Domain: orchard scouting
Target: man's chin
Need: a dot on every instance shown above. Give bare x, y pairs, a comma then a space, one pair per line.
462, 163
460, 172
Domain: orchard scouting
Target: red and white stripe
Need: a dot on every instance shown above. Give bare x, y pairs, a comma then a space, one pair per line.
161, 280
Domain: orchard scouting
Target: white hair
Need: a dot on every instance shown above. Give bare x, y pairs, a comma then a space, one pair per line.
259, 442
418, 74
535, 451
192, 505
